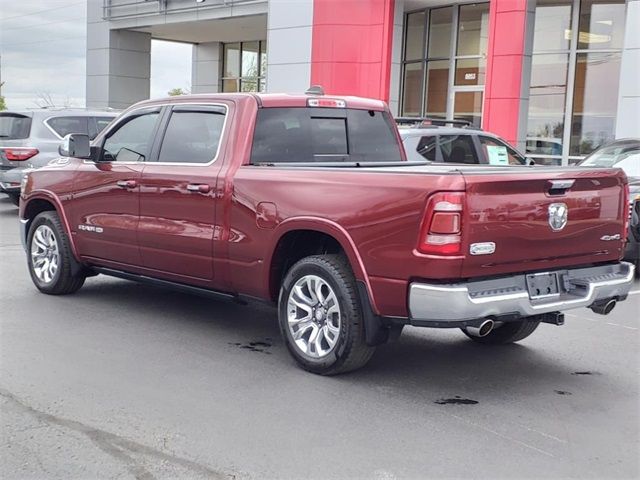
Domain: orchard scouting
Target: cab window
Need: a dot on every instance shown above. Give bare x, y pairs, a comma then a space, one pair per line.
132, 140
192, 135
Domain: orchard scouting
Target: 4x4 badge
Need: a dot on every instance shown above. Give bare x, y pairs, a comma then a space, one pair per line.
558, 216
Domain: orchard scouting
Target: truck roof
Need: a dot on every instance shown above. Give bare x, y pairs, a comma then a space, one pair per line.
268, 100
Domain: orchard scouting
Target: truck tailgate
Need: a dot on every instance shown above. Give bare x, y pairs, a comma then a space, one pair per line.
515, 211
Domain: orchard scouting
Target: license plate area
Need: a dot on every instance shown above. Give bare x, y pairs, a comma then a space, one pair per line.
542, 285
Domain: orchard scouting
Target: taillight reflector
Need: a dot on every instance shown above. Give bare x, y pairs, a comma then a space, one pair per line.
441, 232
19, 154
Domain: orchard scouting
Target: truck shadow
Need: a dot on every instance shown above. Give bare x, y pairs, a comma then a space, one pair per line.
434, 366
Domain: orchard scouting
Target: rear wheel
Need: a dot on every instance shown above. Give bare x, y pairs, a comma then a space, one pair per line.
321, 318
14, 198
49, 256
508, 332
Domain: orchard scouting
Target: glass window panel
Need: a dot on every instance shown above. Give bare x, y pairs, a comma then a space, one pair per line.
552, 25
440, 25
263, 58
191, 137
513, 157
248, 85
427, 147
329, 136
66, 125
458, 149
547, 96
250, 52
414, 36
473, 29
437, 87
131, 141
230, 85
231, 60
470, 71
468, 106
595, 101
601, 24
412, 96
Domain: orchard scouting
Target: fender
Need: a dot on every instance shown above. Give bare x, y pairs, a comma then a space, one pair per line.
334, 230
52, 198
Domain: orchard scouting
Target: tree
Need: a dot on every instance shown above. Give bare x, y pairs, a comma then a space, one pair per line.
174, 92
3, 105
44, 100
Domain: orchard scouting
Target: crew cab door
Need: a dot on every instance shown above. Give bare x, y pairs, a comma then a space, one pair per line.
105, 206
178, 193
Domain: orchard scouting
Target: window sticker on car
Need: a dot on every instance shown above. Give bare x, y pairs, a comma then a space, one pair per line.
497, 155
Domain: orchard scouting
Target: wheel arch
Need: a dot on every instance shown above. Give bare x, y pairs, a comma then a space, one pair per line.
300, 237
44, 202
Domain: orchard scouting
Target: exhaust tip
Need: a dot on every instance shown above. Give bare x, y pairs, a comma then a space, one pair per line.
482, 330
605, 307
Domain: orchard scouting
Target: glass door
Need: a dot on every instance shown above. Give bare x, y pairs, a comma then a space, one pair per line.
467, 105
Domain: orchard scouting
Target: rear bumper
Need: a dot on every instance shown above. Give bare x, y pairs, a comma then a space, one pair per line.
452, 305
10, 180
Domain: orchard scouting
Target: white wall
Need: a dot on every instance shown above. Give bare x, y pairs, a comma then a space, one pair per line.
628, 116
289, 31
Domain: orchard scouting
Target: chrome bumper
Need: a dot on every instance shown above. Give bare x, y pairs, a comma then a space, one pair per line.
508, 296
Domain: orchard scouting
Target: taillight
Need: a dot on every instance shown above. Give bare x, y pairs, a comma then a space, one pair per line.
19, 154
441, 232
628, 207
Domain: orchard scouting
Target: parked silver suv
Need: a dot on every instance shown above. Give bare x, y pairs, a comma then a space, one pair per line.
29, 139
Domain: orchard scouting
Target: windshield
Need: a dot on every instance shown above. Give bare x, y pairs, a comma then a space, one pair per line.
612, 156
14, 126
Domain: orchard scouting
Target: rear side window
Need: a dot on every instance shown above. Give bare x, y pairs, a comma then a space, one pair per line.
66, 125
427, 148
293, 135
192, 136
14, 126
458, 149
101, 123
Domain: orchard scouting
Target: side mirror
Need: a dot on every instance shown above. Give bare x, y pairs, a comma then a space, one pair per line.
75, 145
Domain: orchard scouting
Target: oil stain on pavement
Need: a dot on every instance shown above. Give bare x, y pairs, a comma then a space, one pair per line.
457, 400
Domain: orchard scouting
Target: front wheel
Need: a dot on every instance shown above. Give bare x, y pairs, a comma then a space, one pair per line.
508, 332
320, 316
49, 256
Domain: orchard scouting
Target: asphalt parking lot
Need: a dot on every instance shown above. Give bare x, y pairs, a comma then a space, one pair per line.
128, 381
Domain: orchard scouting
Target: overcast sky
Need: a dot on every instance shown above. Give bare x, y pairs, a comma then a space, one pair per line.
42, 52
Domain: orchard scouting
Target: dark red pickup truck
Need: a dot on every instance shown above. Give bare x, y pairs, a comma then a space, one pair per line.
308, 201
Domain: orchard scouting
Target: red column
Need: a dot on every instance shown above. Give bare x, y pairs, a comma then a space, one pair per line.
505, 66
351, 47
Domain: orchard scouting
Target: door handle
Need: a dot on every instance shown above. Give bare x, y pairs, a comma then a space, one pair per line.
198, 187
126, 183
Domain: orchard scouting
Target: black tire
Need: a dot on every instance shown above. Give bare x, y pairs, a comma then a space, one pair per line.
14, 198
509, 332
350, 351
63, 281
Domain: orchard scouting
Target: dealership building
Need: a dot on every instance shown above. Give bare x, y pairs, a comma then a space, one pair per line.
555, 77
